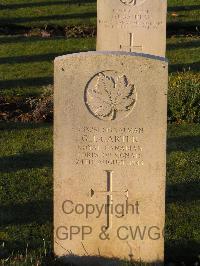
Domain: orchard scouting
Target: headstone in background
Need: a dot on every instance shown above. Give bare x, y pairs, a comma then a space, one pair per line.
110, 146
132, 26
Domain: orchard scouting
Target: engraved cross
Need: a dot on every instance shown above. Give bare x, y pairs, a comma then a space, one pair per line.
131, 45
109, 196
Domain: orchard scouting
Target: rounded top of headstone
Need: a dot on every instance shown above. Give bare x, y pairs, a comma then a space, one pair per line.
112, 53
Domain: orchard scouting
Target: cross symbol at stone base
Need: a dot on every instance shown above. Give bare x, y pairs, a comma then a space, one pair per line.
131, 47
109, 196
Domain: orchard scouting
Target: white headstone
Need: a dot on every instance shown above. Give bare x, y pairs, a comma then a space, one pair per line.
109, 155
132, 26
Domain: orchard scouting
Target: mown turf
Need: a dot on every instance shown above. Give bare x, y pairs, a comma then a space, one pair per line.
47, 12
184, 53
183, 13
26, 189
67, 12
26, 64
183, 186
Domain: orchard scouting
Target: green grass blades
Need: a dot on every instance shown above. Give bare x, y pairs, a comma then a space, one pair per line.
183, 53
184, 97
183, 186
48, 12
26, 190
184, 13
26, 64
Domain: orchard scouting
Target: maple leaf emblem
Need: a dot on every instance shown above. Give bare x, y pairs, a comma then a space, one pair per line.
128, 2
132, 2
110, 96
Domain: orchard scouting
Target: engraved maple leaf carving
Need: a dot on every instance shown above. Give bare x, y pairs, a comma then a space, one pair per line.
128, 2
132, 2
110, 96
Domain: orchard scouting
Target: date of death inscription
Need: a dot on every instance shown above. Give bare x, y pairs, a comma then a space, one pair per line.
108, 146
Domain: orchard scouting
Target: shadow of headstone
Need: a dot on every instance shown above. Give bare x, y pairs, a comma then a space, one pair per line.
73, 260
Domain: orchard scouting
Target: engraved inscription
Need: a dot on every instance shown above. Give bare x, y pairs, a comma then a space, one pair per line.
133, 2
109, 96
109, 146
109, 196
127, 18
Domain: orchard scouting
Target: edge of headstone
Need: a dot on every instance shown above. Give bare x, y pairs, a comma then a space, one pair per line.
121, 53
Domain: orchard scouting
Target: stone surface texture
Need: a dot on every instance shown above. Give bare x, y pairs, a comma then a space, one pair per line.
109, 150
132, 26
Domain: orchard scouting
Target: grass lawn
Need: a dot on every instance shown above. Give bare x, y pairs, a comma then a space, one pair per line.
36, 13
183, 13
26, 190
25, 187
26, 64
184, 54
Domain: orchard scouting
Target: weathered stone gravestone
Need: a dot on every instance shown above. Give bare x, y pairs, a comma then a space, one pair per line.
109, 155
132, 26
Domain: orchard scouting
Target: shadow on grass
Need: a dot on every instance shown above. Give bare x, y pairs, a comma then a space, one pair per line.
183, 45
32, 58
189, 190
26, 161
183, 25
183, 250
31, 212
29, 40
47, 3
72, 260
184, 143
195, 67
183, 192
43, 81
183, 8
47, 18
29, 82
8, 126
